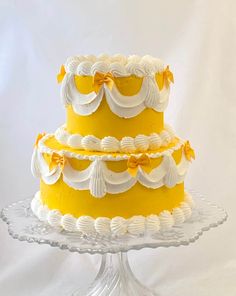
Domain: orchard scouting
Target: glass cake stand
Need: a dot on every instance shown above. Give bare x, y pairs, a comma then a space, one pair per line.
115, 276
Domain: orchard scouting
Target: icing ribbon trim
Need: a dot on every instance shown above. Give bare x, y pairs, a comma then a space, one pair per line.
117, 226
123, 106
100, 180
141, 143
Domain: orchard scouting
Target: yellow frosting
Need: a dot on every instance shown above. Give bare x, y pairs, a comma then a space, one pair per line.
104, 122
139, 200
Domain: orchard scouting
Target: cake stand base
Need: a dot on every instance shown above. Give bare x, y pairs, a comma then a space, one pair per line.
115, 277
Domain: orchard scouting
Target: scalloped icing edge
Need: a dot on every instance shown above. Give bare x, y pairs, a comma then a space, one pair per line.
106, 157
141, 143
117, 226
119, 65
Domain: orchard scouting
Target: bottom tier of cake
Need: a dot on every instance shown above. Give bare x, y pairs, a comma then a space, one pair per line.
116, 226
111, 193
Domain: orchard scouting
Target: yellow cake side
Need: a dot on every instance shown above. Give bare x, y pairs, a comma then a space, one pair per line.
139, 200
104, 122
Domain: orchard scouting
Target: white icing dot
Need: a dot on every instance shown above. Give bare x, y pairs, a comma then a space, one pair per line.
118, 226
127, 145
42, 213
54, 218
102, 225
74, 141
136, 225
186, 209
85, 224
154, 141
110, 144
141, 143
178, 216
68, 222
166, 220
166, 138
152, 223
91, 143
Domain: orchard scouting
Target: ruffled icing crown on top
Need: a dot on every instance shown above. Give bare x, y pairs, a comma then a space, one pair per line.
118, 65
153, 91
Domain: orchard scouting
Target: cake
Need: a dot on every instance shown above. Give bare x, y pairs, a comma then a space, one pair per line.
115, 167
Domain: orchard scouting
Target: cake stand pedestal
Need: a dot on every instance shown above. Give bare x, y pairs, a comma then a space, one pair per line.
115, 277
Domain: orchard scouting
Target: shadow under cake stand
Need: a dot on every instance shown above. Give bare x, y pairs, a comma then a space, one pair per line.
115, 276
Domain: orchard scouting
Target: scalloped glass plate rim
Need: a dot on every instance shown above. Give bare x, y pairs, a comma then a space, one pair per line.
206, 215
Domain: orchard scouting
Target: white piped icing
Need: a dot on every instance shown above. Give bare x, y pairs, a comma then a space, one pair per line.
155, 141
118, 65
165, 137
74, 141
127, 145
54, 218
166, 220
109, 157
186, 208
149, 95
90, 143
42, 213
172, 174
85, 224
152, 223
178, 215
100, 180
110, 144
140, 143
97, 183
68, 222
102, 226
136, 225
189, 200
117, 226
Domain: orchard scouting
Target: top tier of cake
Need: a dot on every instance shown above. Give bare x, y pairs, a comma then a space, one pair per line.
115, 96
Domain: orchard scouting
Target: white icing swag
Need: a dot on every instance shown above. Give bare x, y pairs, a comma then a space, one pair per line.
140, 143
100, 180
117, 226
149, 95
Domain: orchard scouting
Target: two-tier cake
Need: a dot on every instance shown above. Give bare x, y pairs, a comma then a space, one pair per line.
114, 167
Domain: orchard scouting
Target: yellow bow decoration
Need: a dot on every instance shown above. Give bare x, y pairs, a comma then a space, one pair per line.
61, 75
39, 137
100, 78
55, 160
188, 151
134, 162
165, 78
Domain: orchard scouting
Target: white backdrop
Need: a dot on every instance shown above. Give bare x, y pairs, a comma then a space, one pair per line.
197, 38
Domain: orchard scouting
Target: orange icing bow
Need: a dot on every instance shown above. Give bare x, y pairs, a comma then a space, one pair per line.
100, 78
134, 162
188, 151
61, 75
165, 78
57, 159
39, 137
